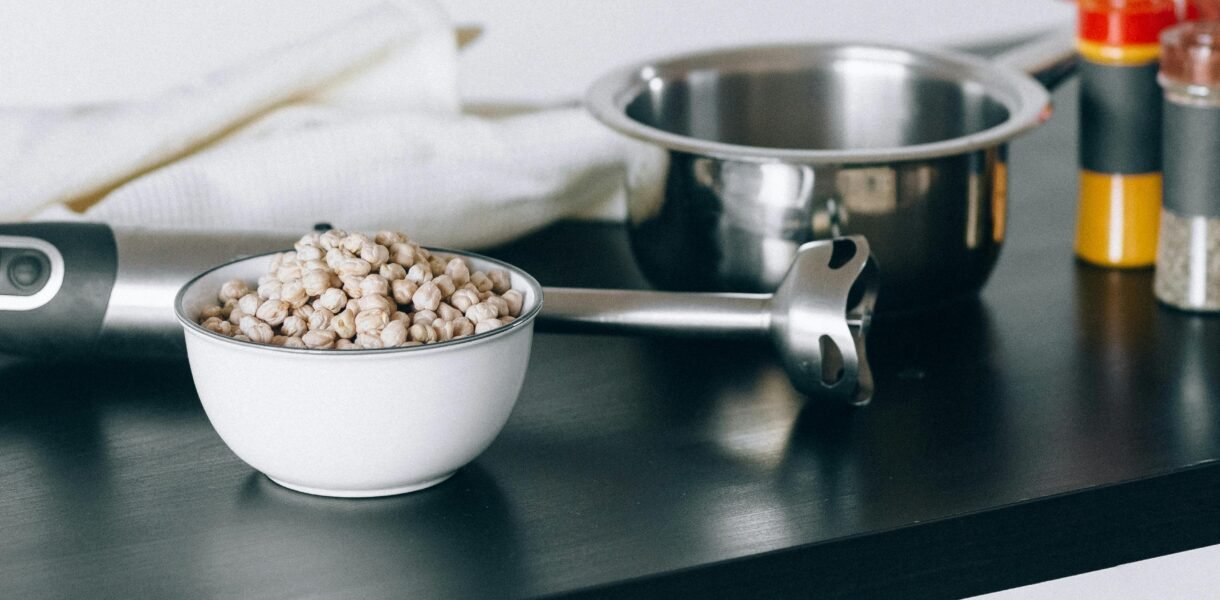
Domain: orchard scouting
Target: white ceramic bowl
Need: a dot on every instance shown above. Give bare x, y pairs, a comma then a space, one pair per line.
357, 423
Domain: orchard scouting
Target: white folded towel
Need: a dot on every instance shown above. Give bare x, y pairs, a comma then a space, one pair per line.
359, 126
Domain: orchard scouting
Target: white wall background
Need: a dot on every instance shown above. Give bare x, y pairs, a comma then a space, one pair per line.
537, 51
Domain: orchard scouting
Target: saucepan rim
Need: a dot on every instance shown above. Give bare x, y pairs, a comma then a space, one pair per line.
1027, 102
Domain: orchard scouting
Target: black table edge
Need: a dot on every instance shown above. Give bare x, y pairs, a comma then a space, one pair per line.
965, 555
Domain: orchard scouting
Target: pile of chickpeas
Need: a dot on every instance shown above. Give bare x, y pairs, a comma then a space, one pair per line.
347, 291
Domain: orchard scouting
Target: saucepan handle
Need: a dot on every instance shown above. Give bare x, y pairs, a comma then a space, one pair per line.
1050, 58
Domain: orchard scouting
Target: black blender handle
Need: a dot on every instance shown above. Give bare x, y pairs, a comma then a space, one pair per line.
55, 285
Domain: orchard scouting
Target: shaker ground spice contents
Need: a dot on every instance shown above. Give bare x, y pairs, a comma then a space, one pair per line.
1120, 129
1188, 256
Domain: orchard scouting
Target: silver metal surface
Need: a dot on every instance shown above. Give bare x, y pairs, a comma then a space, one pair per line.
817, 319
54, 280
152, 266
768, 148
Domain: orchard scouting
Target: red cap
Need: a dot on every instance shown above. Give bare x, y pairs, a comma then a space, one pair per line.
1190, 53
1125, 22
1208, 10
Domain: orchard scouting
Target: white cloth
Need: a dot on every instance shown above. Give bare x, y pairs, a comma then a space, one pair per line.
359, 126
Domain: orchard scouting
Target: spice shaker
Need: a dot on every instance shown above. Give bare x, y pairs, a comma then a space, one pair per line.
1188, 256
1120, 130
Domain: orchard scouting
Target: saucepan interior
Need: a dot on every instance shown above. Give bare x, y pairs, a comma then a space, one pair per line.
820, 103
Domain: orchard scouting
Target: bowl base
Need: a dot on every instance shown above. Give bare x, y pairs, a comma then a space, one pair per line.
391, 491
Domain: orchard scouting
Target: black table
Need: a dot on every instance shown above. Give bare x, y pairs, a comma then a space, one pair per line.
1063, 422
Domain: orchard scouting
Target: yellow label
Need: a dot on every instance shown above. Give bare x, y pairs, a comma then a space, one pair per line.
1134, 54
1119, 219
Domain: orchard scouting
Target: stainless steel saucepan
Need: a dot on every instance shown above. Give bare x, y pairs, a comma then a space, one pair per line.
767, 148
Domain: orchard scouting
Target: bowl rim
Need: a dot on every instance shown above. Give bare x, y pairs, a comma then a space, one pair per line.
1027, 101
522, 321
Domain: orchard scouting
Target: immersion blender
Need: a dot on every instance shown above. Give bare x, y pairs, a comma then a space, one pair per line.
72, 289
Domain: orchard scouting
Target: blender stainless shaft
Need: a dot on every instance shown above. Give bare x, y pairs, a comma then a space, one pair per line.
817, 319
152, 266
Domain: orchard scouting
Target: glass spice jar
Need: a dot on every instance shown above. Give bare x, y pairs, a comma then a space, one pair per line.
1188, 253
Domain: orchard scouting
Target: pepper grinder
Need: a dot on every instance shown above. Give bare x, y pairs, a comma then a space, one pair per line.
1188, 255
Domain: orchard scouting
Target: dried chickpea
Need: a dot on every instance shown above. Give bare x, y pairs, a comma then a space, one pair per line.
320, 319
288, 272
351, 285
427, 297
249, 303
423, 317
316, 282
294, 342
308, 253
344, 324
500, 281
381, 303
402, 254
447, 312
332, 300
293, 292
342, 344
487, 325
375, 254
462, 327
437, 264
370, 340
515, 301
313, 265
210, 312
481, 312
445, 284
392, 271
375, 285
457, 271
422, 333
334, 258
394, 334
273, 312
419, 274
444, 330
331, 239
403, 290
500, 304
270, 290
481, 281
387, 238
354, 266
233, 289
294, 326
319, 338
463, 299
354, 242
371, 320
258, 331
